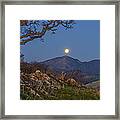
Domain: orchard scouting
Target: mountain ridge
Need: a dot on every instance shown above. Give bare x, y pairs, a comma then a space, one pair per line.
96, 59
67, 63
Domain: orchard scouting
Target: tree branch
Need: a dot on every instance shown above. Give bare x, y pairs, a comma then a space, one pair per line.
47, 26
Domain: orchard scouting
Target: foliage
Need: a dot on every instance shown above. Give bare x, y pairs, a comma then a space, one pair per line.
66, 93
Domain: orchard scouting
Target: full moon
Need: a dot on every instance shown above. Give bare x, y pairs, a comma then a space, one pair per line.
67, 50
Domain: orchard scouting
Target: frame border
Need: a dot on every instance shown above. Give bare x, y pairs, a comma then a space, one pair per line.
55, 2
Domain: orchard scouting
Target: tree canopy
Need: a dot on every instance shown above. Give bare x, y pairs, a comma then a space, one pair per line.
36, 29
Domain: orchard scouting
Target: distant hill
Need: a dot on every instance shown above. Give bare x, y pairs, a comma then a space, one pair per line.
66, 63
95, 85
66, 67
83, 72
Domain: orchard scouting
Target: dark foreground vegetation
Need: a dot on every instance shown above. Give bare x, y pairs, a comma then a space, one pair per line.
39, 83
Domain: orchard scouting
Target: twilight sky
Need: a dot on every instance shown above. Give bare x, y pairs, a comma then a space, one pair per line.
83, 41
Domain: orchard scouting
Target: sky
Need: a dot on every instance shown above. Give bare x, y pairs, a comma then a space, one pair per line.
83, 40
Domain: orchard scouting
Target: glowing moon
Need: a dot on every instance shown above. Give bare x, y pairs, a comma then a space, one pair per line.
67, 50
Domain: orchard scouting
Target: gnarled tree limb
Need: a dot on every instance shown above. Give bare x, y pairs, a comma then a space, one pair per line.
35, 30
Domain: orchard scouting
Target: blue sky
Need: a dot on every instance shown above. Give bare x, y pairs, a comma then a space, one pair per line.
83, 41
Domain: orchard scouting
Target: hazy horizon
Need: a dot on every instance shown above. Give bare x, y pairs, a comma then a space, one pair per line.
62, 56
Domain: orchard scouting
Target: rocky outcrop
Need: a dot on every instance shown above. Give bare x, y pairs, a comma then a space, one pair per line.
39, 76
72, 82
41, 86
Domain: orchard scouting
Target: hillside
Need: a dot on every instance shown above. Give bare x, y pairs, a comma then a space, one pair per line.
83, 72
66, 63
61, 78
40, 86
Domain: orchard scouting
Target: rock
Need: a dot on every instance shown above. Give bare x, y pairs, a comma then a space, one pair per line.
38, 75
46, 77
71, 81
37, 71
24, 76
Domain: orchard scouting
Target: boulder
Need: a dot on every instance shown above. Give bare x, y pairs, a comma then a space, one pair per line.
71, 81
38, 75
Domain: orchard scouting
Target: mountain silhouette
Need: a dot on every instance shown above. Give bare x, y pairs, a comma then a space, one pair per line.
67, 63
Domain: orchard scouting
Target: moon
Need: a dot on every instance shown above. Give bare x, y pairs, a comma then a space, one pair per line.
66, 50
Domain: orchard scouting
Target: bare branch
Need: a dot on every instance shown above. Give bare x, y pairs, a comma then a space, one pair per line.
35, 30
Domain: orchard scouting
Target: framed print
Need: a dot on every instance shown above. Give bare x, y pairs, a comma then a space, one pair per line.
60, 60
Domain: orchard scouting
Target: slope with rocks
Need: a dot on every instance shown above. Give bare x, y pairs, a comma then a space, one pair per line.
66, 63
40, 86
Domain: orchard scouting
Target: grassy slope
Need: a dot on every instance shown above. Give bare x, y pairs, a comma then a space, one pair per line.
66, 93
